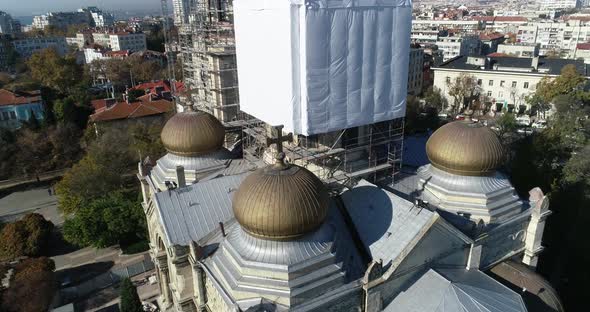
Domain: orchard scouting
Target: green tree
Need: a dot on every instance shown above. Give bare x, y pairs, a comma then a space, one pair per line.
130, 301
145, 141
29, 236
434, 98
67, 111
570, 81
54, 71
106, 221
506, 125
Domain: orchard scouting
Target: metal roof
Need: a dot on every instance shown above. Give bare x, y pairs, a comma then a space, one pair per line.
456, 290
191, 213
386, 223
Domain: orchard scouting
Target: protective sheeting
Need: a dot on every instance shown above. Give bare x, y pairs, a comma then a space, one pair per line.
323, 65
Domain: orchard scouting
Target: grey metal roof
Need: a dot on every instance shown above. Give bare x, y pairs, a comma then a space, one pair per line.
456, 290
386, 223
553, 66
191, 213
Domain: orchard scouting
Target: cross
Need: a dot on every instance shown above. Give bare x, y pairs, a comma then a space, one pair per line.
279, 140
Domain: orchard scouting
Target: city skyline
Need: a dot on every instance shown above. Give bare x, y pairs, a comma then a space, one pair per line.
33, 7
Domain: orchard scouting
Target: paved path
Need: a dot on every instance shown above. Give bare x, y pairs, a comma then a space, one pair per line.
92, 255
17, 204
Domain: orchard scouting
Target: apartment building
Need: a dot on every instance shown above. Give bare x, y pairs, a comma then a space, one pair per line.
463, 25
559, 4
519, 49
560, 38
26, 47
503, 82
61, 19
454, 46
415, 71
121, 41
8, 25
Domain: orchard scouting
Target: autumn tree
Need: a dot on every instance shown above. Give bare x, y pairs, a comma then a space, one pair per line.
54, 71
144, 70
568, 82
506, 125
434, 98
32, 287
145, 141
26, 237
130, 301
462, 89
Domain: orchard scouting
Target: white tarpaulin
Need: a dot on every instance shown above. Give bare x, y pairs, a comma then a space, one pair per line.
323, 65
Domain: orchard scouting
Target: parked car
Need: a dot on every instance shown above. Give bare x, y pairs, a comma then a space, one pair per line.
460, 117
523, 120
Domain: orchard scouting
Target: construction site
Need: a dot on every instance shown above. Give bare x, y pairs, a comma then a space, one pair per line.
207, 50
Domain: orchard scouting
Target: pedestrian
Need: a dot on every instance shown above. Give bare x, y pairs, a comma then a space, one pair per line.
49, 191
38, 180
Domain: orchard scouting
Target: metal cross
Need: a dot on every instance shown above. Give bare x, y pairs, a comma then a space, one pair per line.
279, 139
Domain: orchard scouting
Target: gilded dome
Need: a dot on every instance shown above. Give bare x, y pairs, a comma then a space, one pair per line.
281, 202
465, 148
192, 133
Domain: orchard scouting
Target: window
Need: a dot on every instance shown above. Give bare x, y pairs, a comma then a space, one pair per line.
448, 79
12, 115
500, 94
514, 84
501, 83
5, 115
491, 83
489, 93
526, 85
479, 81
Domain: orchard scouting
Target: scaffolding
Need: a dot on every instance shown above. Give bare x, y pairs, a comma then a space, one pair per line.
207, 47
373, 152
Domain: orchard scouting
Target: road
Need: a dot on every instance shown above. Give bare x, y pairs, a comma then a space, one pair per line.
38, 200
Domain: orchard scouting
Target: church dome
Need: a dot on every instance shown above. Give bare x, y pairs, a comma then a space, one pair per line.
465, 148
281, 202
192, 133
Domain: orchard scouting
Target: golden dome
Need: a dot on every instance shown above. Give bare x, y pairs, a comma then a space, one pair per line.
191, 133
281, 202
465, 148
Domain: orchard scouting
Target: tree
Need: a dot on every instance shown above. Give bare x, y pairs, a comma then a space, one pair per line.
434, 98
27, 237
570, 81
462, 89
67, 111
506, 124
32, 276
54, 71
130, 301
106, 221
145, 141
144, 70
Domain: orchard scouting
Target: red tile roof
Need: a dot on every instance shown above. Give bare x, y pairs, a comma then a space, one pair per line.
161, 83
122, 110
490, 36
496, 54
500, 18
19, 98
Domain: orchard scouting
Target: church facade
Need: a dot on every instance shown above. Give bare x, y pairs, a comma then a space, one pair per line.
227, 234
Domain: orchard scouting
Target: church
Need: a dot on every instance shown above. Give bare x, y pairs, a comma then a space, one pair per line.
228, 234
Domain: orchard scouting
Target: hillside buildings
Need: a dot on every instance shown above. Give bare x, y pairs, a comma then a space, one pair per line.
27, 46
8, 25
91, 16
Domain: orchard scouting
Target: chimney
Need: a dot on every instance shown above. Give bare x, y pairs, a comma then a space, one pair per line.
180, 176
535, 63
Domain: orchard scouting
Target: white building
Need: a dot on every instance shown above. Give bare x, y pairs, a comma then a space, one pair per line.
555, 37
559, 4
503, 81
121, 41
464, 25
519, 49
416, 71
128, 41
459, 45
61, 19
26, 47
81, 40
180, 9
8, 25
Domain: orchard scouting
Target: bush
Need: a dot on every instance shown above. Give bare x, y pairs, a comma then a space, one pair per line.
27, 237
130, 301
32, 287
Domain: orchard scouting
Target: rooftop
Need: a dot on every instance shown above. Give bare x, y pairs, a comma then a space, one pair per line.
142, 107
19, 98
547, 66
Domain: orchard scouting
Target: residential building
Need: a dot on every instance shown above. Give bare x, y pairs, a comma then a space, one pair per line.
503, 82
559, 4
490, 41
17, 107
26, 47
81, 40
149, 109
8, 25
99, 18
555, 38
519, 49
465, 26
61, 19
94, 53
583, 52
454, 46
416, 71
7, 53
127, 41
181, 11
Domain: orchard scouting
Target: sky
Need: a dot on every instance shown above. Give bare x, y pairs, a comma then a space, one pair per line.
35, 7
